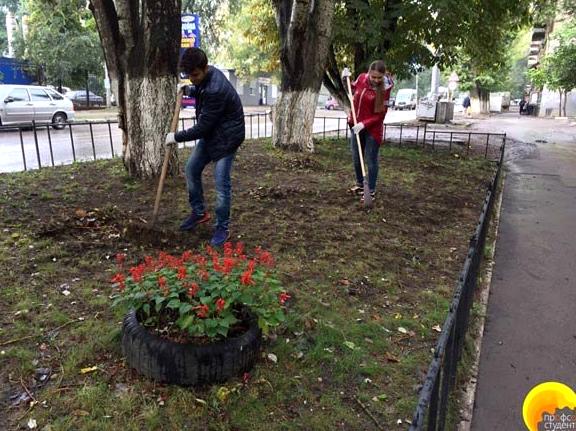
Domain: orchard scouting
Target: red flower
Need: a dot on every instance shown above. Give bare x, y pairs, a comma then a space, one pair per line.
228, 249
246, 278
267, 259
202, 311
119, 279
162, 281
220, 304
181, 273
187, 256
251, 265
239, 249
245, 378
229, 263
137, 272
284, 297
149, 261
216, 264
192, 289
120, 258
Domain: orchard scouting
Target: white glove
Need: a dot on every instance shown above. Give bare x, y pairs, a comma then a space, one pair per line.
346, 73
170, 139
358, 128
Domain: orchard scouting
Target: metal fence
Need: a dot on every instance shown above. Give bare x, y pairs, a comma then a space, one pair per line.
24, 147
432, 409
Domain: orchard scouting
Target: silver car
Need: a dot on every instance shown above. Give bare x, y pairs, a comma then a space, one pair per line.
22, 104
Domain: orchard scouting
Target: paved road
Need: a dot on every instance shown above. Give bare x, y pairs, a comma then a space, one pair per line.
530, 332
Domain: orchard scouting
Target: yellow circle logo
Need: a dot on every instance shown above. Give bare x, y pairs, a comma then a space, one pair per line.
550, 406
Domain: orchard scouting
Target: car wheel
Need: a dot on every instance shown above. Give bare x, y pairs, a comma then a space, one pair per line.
59, 120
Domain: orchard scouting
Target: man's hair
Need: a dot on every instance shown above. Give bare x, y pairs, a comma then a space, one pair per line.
192, 59
378, 65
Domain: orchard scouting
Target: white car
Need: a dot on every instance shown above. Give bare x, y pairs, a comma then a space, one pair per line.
22, 104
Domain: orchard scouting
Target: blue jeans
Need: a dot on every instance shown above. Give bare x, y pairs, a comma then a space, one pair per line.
194, 168
370, 149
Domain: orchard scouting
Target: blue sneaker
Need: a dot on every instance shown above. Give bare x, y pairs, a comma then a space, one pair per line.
193, 220
220, 236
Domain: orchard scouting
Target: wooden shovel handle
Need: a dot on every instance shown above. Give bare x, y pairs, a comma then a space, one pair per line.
167, 154
355, 122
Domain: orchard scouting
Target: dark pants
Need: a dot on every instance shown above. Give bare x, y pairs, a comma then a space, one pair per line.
194, 168
370, 150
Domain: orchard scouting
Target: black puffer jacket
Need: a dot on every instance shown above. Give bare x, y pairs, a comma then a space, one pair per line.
219, 114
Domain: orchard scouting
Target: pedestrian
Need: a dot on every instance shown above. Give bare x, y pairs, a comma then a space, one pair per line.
466, 105
220, 130
371, 93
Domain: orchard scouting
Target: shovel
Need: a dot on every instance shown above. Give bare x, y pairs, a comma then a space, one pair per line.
167, 154
367, 195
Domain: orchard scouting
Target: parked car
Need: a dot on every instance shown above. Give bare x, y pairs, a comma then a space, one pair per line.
22, 104
78, 97
405, 99
331, 104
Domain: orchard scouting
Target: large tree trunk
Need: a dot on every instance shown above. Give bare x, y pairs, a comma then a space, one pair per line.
480, 100
141, 43
305, 28
565, 101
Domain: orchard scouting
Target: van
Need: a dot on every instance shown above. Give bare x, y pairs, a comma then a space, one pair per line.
405, 99
22, 104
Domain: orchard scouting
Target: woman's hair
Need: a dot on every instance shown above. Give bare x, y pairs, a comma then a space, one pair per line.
192, 59
379, 66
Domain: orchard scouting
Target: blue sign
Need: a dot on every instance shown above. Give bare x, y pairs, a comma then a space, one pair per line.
190, 31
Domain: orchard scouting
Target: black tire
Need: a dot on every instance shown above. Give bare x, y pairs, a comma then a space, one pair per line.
59, 120
189, 364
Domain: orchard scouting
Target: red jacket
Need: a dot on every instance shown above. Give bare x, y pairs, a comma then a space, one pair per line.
364, 98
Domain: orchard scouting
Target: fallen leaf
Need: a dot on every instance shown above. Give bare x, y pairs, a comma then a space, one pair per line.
381, 397
88, 370
272, 357
80, 413
437, 328
402, 330
80, 213
391, 358
32, 424
350, 345
200, 401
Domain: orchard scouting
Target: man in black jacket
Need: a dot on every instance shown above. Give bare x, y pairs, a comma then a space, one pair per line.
220, 130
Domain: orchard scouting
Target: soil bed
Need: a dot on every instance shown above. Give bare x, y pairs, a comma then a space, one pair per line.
368, 289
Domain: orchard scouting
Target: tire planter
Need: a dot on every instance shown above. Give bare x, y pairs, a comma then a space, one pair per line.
189, 364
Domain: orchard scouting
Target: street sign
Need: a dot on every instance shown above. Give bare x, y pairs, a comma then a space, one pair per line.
190, 31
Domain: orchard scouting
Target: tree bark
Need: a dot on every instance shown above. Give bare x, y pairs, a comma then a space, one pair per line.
565, 100
305, 28
141, 43
480, 100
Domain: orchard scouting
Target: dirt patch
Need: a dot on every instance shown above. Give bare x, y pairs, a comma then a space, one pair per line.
367, 286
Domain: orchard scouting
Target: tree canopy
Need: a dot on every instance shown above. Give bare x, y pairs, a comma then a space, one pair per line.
62, 39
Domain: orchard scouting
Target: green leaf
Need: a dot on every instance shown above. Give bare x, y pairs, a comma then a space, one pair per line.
146, 309
173, 304
185, 308
185, 322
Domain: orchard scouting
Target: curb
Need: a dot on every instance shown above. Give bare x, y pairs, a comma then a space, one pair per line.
469, 388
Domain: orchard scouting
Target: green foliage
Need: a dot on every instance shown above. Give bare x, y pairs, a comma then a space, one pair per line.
202, 294
251, 44
62, 39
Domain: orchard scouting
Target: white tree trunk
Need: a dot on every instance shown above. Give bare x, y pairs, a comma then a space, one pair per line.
293, 120
148, 113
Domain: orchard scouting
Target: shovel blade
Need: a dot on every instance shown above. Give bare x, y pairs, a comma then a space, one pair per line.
367, 196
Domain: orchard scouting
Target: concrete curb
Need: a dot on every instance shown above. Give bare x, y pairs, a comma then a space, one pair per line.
469, 388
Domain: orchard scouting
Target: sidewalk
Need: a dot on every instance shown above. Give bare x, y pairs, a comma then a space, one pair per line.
530, 331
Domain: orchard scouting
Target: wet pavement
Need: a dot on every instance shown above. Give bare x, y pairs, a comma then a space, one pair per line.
530, 330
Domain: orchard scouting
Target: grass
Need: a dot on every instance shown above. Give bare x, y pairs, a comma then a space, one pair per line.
355, 279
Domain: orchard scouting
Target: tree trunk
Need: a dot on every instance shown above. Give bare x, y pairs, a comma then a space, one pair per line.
305, 32
141, 43
480, 100
559, 103
565, 101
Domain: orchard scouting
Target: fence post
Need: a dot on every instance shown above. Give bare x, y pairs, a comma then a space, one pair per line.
72, 142
50, 144
425, 130
22, 146
36, 144
400, 144
110, 134
487, 142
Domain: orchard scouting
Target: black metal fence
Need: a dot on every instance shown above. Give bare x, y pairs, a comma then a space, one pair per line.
24, 147
432, 409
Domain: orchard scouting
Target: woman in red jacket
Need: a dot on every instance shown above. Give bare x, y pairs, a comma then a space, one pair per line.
371, 92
